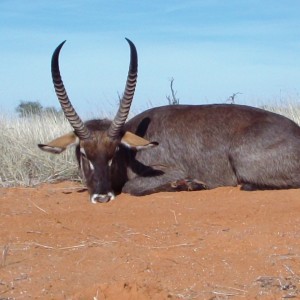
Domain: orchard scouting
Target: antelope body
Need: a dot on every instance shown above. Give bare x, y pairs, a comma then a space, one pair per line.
179, 147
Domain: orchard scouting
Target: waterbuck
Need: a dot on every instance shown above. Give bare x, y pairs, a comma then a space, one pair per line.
179, 147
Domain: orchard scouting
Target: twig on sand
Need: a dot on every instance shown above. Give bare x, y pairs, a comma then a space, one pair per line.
88, 244
83, 245
225, 293
38, 207
174, 215
231, 291
43, 246
4, 254
72, 247
167, 247
96, 297
289, 269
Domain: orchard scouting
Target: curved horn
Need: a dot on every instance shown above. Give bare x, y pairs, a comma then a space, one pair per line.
125, 103
80, 129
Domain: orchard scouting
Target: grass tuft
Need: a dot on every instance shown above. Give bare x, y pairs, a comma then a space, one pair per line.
22, 162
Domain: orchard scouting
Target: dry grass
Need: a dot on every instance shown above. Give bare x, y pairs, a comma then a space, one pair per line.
290, 110
23, 164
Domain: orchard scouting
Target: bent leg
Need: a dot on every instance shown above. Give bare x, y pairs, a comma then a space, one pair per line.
188, 184
168, 182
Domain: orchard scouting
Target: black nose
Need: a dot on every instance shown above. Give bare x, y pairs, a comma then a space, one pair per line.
100, 198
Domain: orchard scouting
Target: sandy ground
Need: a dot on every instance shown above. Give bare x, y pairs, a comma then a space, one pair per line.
218, 244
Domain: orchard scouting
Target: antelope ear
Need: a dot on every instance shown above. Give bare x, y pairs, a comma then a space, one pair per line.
136, 142
60, 144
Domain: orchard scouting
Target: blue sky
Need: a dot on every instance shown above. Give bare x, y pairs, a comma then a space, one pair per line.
211, 48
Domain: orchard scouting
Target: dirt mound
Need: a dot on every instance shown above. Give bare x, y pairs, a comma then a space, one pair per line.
216, 244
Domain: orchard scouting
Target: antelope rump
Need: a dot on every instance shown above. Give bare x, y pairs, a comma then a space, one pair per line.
178, 147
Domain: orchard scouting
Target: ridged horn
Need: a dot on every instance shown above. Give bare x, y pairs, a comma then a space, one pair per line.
125, 103
80, 129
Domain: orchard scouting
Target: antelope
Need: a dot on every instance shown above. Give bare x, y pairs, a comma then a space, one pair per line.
178, 147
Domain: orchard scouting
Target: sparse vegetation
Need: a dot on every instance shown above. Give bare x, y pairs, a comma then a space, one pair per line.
231, 99
289, 109
29, 108
24, 164
172, 99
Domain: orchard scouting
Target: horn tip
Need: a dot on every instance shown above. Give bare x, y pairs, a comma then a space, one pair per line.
129, 41
62, 43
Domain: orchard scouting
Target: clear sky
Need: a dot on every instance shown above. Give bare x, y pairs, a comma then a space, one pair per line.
212, 49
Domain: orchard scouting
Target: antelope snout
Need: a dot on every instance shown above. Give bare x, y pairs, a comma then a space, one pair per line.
102, 198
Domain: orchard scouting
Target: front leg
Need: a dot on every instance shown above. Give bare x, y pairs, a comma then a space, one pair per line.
168, 182
188, 184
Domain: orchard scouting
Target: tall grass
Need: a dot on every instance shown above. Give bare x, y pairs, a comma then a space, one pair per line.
290, 110
22, 163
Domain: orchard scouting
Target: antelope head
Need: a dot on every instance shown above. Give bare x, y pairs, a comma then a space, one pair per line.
96, 141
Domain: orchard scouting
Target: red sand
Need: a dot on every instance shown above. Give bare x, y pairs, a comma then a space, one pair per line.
218, 244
